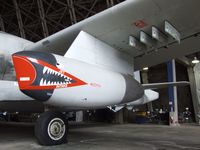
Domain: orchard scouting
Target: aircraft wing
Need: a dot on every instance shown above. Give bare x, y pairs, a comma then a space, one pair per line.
165, 84
115, 25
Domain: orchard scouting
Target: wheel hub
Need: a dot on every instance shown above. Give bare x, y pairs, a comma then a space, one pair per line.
56, 129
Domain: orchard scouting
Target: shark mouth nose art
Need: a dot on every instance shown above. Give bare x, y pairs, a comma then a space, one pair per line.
38, 74
54, 78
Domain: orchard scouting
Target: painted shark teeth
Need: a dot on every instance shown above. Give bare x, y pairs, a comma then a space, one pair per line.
49, 71
61, 75
49, 83
41, 82
44, 70
46, 83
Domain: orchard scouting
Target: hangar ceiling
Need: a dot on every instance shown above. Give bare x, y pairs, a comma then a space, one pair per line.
36, 19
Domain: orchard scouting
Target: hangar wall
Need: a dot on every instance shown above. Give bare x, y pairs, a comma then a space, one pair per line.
158, 73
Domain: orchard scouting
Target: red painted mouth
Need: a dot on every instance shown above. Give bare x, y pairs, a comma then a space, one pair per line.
25, 71
35, 74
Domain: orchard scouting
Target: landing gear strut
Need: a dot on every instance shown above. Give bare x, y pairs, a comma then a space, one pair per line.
51, 128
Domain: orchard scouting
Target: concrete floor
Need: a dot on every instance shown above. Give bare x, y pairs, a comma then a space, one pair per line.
102, 136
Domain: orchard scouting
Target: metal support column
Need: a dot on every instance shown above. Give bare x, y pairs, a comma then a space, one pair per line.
43, 18
172, 91
19, 19
119, 117
2, 24
193, 75
79, 116
144, 75
109, 3
194, 90
72, 11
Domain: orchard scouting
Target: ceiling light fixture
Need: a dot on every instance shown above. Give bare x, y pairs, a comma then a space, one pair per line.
145, 68
195, 61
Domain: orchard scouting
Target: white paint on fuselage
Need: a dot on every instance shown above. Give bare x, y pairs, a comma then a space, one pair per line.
109, 90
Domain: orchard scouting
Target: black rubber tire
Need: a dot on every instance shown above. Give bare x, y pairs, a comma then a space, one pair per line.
41, 129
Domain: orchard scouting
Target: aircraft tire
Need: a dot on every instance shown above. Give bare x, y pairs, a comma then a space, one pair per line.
51, 128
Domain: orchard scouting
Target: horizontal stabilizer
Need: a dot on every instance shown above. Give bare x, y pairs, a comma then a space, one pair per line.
164, 84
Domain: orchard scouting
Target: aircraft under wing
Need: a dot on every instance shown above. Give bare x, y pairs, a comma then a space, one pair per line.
187, 46
164, 84
114, 26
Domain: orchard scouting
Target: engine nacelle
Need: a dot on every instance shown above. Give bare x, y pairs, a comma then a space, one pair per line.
69, 83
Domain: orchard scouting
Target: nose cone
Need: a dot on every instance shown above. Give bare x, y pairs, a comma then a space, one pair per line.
38, 74
29, 71
29, 68
25, 71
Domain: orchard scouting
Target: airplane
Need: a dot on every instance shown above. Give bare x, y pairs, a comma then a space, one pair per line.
91, 64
